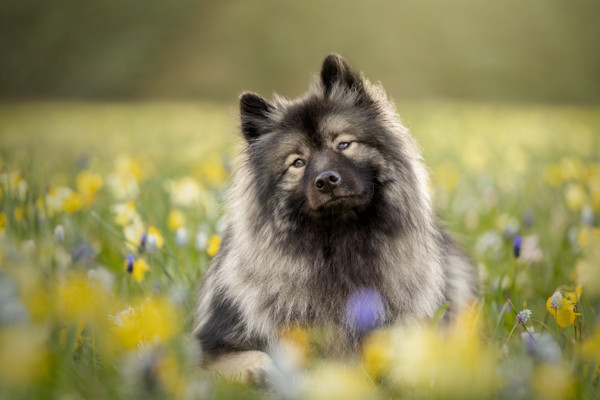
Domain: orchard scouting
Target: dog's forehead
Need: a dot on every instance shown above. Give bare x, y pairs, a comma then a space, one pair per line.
319, 121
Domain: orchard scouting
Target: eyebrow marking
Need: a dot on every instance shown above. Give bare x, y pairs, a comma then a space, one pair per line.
333, 125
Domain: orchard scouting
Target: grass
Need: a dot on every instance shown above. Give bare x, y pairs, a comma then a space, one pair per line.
81, 183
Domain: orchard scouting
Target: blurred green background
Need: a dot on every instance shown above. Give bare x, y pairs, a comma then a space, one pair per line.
509, 50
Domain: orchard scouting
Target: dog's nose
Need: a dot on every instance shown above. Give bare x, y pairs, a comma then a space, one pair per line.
327, 181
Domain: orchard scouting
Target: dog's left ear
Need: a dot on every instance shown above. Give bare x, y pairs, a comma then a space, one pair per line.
337, 71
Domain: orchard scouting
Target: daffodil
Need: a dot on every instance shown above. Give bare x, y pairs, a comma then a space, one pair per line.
576, 196
73, 202
88, 183
214, 242
125, 213
561, 309
175, 219
154, 320
184, 192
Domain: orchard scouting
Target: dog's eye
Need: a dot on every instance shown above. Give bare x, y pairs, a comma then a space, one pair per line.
298, 163
343, 145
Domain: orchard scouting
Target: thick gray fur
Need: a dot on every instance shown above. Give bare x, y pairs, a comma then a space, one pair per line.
289, 256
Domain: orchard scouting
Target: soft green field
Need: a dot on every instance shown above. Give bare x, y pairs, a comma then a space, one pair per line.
83, 182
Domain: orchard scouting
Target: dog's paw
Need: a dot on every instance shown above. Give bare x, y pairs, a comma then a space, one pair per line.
247, 367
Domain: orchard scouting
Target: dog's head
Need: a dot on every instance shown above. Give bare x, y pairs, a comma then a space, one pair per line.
332, 155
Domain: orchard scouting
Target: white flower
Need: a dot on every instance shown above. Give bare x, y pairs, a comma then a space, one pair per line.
59, 234
181, 237
524, 316
556, 301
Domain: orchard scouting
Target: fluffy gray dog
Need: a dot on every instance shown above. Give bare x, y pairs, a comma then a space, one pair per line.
330, 198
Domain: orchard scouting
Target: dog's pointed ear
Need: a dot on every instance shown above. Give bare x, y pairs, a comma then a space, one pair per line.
254, 112
337, 71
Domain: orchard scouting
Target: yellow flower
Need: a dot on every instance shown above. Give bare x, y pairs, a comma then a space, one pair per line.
125, 213
153, 321
295, 344
56, 198
553, 175
574, 296
140, 267
561, 309
213, 245
2, 222
23, 354
123, 181
553, 381
377, 353
455, 363
213, 172
88, 183
336, 381
73, 203
79, 300
575, 196
175, 220
184, 192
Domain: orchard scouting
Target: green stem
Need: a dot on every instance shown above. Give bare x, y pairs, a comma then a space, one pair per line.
511, 332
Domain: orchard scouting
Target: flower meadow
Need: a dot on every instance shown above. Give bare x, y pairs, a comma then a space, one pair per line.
110, 215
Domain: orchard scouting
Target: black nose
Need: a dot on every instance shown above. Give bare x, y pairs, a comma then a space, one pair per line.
327, 181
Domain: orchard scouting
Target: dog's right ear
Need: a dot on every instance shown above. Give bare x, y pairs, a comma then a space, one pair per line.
254, 112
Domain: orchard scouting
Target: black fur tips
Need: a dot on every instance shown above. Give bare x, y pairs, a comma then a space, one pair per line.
254, 111
336, 70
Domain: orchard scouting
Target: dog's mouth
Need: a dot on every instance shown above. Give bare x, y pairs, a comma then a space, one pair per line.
339, 204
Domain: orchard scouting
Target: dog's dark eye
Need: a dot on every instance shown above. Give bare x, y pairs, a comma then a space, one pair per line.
343, 146
298, 163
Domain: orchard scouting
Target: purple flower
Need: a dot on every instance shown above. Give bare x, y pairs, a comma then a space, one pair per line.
517, 244
143, 241
129, 261
365, 309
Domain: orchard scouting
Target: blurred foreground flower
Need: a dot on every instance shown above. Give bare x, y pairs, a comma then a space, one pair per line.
24, 357
365, 310
153, 321
454, 363
554, 381
332, 381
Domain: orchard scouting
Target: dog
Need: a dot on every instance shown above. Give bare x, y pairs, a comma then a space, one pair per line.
330, 198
